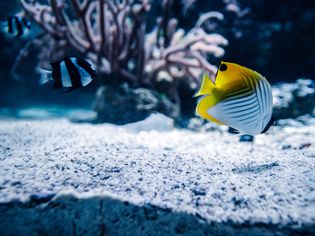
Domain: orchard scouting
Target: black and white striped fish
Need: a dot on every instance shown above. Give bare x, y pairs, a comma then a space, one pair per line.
239, 97
16, 26
70, 73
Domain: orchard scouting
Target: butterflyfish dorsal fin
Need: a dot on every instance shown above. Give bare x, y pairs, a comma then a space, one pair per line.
206, 86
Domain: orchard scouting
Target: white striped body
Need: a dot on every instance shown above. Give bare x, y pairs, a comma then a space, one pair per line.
85, 77
248, 110
70, 72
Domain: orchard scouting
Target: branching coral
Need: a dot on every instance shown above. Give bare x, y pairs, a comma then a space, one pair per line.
112, 33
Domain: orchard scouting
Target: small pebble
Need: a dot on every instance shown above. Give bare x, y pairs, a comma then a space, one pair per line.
246, 138
286, 146
305, 145
199, 192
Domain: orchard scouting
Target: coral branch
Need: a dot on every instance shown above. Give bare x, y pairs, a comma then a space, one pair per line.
112, 34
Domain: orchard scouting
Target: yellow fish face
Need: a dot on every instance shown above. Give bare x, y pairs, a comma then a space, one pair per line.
239, 97
231, 73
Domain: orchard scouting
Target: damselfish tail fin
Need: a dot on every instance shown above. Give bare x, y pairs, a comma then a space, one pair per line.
45, 75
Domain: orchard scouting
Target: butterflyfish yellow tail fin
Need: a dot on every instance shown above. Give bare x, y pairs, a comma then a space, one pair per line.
206, 86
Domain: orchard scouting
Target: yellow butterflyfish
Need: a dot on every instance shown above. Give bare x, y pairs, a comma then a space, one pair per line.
239, 97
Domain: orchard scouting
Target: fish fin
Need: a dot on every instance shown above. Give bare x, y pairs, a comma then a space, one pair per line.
233, 131
270, 123
86, 80
45, 75
206, 86
204, 105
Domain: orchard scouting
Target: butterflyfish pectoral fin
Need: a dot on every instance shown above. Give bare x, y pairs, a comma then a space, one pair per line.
233, 131
204, 105
206, 86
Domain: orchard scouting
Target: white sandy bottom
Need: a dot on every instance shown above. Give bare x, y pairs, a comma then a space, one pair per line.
210, 174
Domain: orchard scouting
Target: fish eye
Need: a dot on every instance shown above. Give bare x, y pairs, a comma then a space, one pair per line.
223, 67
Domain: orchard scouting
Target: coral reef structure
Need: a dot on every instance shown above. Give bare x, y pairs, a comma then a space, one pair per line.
112, 34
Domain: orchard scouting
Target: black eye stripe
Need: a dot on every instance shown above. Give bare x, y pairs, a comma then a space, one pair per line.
223, 67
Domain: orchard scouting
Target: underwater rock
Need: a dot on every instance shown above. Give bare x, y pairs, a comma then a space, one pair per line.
199, 124
82, 116
194, 123
156, 121
298, 122
291, 100
122, 105
246, 138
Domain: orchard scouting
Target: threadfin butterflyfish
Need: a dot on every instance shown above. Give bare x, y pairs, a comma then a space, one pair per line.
71, 73
239, 97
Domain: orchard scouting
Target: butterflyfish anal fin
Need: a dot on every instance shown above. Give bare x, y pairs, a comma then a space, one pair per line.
204, 105
206, 86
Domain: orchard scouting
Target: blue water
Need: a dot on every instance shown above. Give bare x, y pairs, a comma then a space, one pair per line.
45, 113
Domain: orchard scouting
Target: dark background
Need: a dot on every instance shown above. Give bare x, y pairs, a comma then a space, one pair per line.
275, 37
